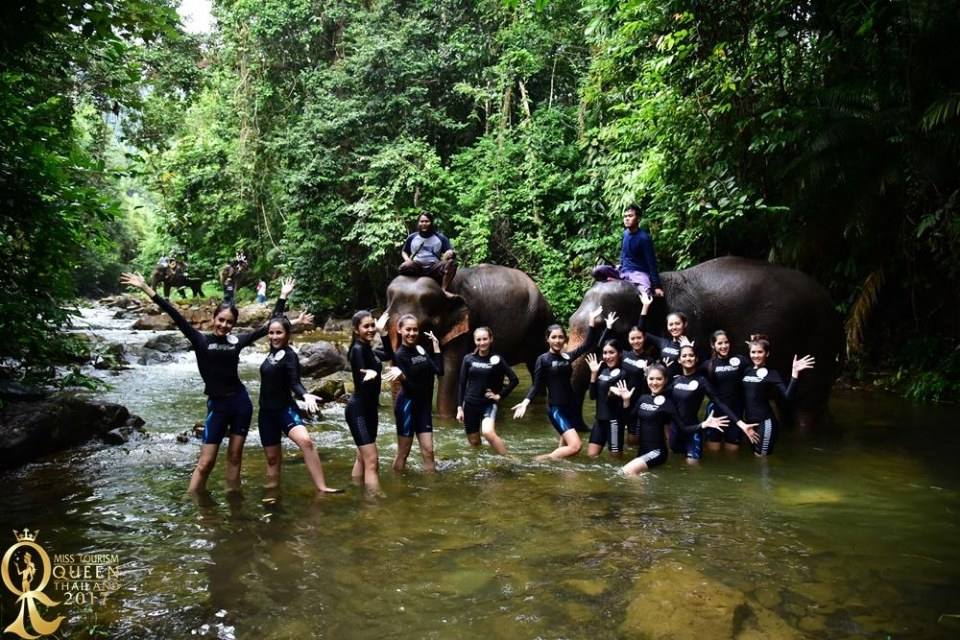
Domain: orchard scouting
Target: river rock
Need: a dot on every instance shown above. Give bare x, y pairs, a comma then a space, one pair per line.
321, 358
331, 387
167, 343
337, 324
254, 315
152, 356
153, 323
29, 430
13, 390
673, 600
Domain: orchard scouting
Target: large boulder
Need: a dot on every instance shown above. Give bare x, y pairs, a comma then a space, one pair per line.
168, 343
29, 430
318, 359
331, 387
159, 322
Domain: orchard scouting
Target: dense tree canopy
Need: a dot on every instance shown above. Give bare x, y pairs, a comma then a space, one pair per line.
821, 135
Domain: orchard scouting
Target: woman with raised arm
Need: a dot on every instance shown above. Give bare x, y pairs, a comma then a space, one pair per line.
760, 386
229, 409
670, 344
553, 371
366, 365
724, 371
279, 414
481, 389
635, 362
652, 412
413, 408
608, 422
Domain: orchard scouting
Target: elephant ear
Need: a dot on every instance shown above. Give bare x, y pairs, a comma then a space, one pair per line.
457, 320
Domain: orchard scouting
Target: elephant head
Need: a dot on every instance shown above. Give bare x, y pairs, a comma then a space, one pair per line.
445, 314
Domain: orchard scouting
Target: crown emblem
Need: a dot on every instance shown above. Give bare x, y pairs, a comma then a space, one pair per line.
26, 535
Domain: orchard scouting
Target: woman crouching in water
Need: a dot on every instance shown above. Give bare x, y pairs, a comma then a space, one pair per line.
279, 381
481, 389
366, 365
413, 408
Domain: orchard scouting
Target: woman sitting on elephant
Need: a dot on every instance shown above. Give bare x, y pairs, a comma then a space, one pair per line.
361, 412
481, 388
218, 357
725, 373
553, 370
278, 415
651, 413
414, 403
760, 386
608, 422
669, 346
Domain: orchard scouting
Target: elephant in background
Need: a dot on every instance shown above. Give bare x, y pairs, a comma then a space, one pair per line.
504, 299
742, 297
173, 275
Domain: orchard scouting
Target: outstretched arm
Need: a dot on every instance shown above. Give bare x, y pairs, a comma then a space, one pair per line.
136, 280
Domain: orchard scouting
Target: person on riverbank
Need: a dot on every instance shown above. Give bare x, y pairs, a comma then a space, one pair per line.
481, 389
261, 292
760, 386
687, 391
427, 252
651, 413
229, 409
670, 344
279, 414
725, 374
413, 408
608, 424
553, 371
638, 261
366, 365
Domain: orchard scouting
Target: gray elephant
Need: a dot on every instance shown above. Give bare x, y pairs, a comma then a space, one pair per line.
172, 274
743, 297
504, 299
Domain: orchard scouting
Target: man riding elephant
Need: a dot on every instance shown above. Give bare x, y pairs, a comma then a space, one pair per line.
229, 275
172, 273
427, 252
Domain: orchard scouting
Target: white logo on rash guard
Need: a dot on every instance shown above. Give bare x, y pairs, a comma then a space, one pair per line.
421, 350
565, 355
693, 385
735, 361
278, 356
495, 360
762, 373
614, 373
232, 339
659, 400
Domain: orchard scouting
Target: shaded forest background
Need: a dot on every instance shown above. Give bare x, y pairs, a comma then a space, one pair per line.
822, 134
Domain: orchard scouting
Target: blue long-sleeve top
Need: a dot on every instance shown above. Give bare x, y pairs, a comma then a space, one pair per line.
636, 254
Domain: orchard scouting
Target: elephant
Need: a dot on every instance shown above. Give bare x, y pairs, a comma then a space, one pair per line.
173, 276
743, 297
504, 299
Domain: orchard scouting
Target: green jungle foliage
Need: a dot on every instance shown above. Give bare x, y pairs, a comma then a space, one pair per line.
820, 135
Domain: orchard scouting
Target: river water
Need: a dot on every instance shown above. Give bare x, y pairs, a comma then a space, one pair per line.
852, 533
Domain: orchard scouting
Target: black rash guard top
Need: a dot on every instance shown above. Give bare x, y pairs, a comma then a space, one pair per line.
217, 356
725, 375
687, 393
419, 368
760, 386
651, 413
554, 370
635, 370
608, 407
279, 377
479, 373
364, 356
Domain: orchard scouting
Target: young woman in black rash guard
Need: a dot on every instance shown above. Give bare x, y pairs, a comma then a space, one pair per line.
608, 422
481, 389
669, 346
760, 386
553, 371
635, 362
278, 415
218, 356
725, 373
361, 412
651, 412
414, 403
687, 391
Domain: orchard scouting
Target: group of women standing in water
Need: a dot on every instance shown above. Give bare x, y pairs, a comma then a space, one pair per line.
647, 397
